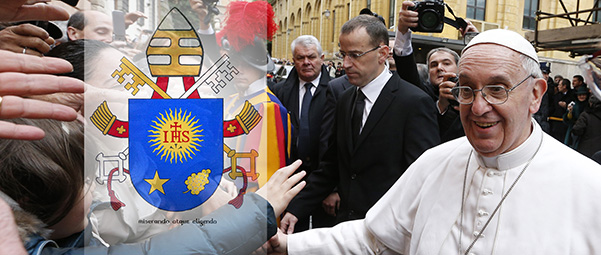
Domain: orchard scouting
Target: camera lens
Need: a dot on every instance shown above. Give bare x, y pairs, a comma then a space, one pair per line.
429, 19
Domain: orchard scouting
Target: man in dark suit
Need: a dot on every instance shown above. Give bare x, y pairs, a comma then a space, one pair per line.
304, 92
560, 102
441, 61
381, 126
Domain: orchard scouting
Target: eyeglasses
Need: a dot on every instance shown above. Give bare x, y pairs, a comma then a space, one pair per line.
353, 55
493, 94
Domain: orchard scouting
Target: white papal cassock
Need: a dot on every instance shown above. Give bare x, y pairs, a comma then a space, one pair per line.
554, 208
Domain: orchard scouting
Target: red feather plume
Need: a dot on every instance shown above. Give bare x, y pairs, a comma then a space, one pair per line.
247, 20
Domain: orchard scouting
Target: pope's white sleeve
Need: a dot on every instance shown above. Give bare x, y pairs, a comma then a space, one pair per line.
351, 237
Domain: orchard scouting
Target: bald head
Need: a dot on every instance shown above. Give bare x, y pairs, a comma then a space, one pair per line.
93, 25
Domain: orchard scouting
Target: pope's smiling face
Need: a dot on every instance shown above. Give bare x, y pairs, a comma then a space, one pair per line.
496, 129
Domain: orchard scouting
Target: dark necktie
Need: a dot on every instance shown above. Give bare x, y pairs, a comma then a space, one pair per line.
303, 132
357, 117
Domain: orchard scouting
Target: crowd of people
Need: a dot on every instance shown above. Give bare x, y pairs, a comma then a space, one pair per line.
371, 153
564, 103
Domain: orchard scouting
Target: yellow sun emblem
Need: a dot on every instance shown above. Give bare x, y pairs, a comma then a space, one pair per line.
175, 136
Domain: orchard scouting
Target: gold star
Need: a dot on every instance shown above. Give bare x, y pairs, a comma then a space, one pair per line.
156, 183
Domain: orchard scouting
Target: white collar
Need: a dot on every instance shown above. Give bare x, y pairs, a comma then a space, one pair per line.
517, 156
315, 82
373, 88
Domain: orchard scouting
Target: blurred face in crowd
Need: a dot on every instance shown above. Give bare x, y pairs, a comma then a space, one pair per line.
360, 71
582, 97
562, 86
98, 26
557, 80
247, 74
439, 64
307, 62
496, 129
391, 62
576, 82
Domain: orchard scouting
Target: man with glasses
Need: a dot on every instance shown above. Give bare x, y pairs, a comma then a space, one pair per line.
504, 189
381, 125
440, 61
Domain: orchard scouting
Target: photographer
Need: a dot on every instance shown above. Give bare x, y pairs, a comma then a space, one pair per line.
442, 65
499, 190
205, 29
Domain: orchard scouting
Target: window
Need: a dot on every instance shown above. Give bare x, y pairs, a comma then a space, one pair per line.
333, 25
530, 8
368, 4
125, 6
141, 9
476, 9
392, 13
597, 14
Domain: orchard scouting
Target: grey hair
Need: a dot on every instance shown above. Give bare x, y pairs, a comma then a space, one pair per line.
444, 49
307, 41
531, 66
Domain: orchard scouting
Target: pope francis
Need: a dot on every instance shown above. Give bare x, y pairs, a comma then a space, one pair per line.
504, 188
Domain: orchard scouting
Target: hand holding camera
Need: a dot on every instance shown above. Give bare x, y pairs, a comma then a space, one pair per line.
407, 18
430, 17
571, 106
446, 98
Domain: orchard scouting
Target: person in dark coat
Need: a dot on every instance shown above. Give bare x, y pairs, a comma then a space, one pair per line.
543, 112
588, 127
560, 102
441, 62
573, 112
371, 146
308, 72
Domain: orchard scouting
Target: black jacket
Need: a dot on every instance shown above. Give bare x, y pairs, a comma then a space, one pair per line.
400, 127
287, 92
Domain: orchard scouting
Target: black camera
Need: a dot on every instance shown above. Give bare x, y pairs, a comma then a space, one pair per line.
211, 9
431, 16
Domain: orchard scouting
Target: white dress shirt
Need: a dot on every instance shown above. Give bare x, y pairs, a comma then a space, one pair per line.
372, 91
302, 90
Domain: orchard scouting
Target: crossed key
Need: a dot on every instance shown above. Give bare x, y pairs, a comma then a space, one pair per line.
131, 78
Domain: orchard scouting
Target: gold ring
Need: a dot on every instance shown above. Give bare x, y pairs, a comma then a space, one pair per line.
0, 104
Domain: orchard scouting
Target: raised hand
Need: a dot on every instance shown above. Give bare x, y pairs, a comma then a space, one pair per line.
19, 10
24, 75
281, 187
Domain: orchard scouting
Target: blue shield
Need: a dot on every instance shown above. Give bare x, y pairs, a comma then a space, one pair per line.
176, 150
